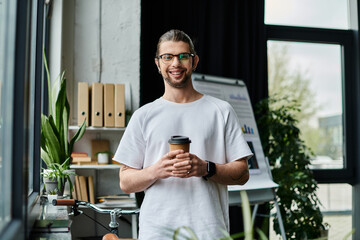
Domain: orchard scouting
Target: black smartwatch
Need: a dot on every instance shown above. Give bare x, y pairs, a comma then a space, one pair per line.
211, 169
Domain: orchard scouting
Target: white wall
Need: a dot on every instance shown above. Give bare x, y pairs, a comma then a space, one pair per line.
101, 42
55, 46
86, 33
97, 40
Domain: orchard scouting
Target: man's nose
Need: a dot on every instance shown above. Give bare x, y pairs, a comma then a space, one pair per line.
176, 61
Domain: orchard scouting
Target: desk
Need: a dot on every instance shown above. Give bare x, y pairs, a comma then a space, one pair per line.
50, 212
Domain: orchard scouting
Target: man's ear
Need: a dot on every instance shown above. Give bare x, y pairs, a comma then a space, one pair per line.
157, 64
195, 62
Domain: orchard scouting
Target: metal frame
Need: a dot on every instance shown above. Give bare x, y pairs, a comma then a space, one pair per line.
29, 24
345, 39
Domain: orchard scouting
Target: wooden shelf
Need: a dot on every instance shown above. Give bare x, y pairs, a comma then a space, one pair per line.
75, 128
93, 166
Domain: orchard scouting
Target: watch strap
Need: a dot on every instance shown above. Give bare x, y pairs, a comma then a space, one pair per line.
211, 169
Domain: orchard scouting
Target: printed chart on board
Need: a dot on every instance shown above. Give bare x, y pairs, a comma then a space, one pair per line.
235, 92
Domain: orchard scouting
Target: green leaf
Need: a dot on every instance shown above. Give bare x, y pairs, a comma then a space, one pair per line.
261, 234
347, 236
226, 234
65, 122
245, 206
48, 80
237, 235
289, 158
70, 185
56, 88
188, 230
52, 142
60, 100
42, 141
78, 135
45, 157
65, 165
55, 146
61, 182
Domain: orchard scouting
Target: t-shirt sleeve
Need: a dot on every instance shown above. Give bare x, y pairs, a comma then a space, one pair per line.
131, 150
236, 145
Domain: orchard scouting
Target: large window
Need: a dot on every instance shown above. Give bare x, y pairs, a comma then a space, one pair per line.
310, 60
21, 41
7, 47
33, 95
308, 13
312, 74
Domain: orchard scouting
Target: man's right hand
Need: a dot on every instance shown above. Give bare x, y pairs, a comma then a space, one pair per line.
137, 180
164, 168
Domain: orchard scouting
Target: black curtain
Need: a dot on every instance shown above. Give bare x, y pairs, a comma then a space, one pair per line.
229, 37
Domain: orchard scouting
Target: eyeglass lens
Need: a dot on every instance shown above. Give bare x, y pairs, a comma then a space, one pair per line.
169, 57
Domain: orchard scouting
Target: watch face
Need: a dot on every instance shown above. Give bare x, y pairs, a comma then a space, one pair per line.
211, 167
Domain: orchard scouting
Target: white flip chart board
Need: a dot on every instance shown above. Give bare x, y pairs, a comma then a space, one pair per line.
260, 185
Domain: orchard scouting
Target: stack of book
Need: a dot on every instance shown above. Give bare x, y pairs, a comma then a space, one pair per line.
84, 189
51, 226
80, 158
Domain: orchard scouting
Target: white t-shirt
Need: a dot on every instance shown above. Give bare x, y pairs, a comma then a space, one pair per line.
215, 134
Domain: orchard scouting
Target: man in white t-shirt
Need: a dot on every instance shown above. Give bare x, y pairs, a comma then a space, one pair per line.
182, 188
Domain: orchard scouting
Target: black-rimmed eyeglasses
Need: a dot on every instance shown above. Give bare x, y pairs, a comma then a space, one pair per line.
168, 58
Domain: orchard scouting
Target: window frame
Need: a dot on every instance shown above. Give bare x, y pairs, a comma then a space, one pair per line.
344, 38
36, 75
25, 57
11, 227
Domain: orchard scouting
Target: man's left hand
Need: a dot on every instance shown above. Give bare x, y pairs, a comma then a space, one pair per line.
189, 165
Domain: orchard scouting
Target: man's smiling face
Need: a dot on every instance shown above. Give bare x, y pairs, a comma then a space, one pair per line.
177, 73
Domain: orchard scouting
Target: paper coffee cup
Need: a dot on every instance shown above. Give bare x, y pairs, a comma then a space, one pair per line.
179, 142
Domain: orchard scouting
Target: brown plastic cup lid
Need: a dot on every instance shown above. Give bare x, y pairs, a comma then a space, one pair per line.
179, 140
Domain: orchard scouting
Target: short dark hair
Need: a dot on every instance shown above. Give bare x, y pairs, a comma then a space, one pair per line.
176, 36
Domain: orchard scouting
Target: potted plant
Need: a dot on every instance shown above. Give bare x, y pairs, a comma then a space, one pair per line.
289, 159
56, 148
55, 177
103, 157
52, 195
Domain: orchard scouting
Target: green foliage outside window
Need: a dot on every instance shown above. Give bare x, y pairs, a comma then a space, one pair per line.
290, 159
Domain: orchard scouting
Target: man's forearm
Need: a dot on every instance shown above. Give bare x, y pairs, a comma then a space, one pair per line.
233, 173
135, 180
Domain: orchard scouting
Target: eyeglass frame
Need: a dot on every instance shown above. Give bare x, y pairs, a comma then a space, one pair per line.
174, 55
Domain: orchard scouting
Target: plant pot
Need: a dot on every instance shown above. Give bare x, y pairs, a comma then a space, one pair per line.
103, 158
324, 233
51, 198
51, 185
